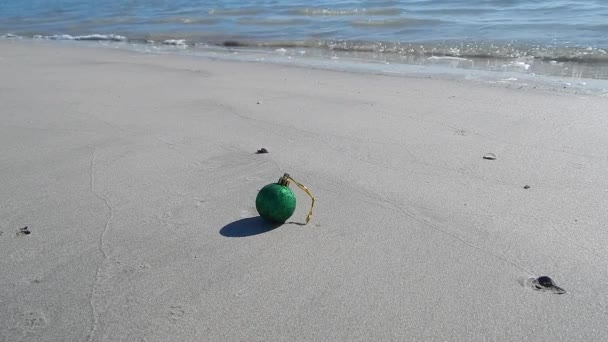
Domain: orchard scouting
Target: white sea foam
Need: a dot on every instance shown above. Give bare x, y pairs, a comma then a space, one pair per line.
89, 37
517, 65
448, 58
109, 37
175, 42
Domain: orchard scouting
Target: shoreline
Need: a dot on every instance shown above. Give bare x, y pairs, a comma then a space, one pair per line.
136, 175
513, 73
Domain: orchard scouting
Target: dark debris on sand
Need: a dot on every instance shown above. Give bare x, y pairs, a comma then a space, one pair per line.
546, 284
489, 156
24, 231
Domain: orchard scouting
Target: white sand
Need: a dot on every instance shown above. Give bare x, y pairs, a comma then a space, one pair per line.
136, 175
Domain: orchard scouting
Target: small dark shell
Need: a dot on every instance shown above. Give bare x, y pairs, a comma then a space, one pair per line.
546, 284
545, 281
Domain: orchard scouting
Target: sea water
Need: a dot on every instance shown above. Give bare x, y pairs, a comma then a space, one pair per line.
512, 39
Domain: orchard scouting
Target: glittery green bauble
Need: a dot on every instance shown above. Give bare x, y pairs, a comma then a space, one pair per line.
276, 202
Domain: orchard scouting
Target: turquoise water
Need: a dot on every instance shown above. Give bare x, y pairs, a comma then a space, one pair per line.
547, 37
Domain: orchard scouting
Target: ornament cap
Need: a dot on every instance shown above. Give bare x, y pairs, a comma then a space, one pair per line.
284, 181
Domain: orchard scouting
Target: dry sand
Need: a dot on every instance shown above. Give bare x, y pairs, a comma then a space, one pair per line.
137, 174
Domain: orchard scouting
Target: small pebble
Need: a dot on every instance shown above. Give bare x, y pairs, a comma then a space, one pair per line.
526, 187
24, 231
262, 150
489, 156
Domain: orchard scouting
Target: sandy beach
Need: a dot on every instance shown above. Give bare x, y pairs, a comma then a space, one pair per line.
136, 177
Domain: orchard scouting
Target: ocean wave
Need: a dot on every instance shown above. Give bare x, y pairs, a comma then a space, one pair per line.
392, 23
235, 12
453, 11
343, 11
272, 22
109, 21
185, 20
438, 51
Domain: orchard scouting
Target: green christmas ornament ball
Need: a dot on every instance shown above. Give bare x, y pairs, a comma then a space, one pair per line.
276, 202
